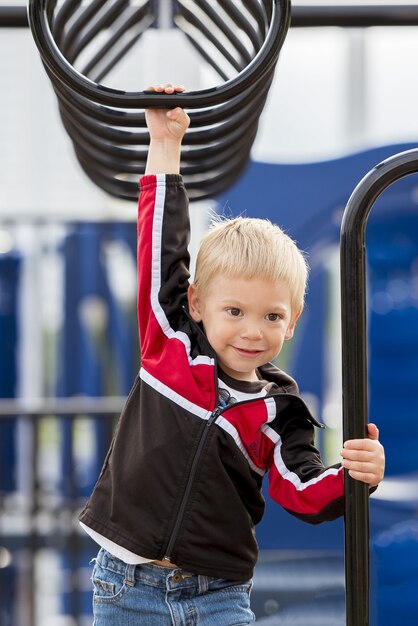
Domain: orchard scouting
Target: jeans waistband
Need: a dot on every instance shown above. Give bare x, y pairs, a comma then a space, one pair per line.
154, 575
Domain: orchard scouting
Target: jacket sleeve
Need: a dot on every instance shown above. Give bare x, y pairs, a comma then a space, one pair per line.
298, 480
163, 259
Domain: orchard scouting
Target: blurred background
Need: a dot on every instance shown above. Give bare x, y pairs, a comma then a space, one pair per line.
342, 100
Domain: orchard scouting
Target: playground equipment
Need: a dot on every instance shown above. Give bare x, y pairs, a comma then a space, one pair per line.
241, 41
354, 369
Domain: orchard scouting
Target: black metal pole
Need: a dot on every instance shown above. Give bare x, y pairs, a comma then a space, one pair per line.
344, 15
347, 15
354, 370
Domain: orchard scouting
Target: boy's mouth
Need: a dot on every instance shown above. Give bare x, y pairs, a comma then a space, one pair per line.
246, 352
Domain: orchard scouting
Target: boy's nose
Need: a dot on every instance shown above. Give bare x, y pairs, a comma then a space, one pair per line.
252, 332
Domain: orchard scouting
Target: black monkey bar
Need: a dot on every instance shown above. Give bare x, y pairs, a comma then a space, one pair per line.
354, 369
240, 40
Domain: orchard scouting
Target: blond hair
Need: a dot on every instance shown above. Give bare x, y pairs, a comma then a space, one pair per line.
249, 248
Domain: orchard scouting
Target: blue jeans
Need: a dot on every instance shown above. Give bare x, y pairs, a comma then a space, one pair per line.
149, 595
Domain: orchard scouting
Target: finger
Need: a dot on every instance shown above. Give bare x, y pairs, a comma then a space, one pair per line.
178, 115
356, 455
170, 88
369, 479
175, 114
358, 444
167, 88
364, 467
363, 446
372, 431
155, 88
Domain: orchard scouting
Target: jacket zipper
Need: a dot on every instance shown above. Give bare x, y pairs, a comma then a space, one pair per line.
189, 485
190, 480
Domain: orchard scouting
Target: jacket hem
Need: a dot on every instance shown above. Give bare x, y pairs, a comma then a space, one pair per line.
117, 537
140, 550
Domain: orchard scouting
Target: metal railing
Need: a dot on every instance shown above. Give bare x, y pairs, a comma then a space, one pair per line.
37, 517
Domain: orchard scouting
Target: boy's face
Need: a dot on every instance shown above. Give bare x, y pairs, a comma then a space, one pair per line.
246, 321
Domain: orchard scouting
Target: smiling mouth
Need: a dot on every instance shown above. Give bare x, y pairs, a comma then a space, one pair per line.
250, 353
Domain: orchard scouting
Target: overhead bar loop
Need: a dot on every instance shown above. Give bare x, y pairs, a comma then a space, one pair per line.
240, 39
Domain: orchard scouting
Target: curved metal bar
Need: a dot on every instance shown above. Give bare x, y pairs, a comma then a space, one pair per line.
229, 32
240, 21
107, 126
132, 118
120, 164
259, 13
60, 17
206, 27
200, 188
354, 369
65, 34
201, 133
204, 54
87, 27
112, 51
64, 72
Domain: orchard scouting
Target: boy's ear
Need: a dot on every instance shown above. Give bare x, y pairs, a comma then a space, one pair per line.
291, 328
194, 304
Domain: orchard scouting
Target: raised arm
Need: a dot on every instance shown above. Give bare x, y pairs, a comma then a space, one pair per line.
163, 232
166, 128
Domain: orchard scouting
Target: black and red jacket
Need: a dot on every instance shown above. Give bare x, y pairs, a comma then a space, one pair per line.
182, 478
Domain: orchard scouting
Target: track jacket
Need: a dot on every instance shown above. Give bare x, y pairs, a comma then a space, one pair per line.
182, 477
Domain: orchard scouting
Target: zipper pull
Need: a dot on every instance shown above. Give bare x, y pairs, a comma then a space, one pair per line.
214, 415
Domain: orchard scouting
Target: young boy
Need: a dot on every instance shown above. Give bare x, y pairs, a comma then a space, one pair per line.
178, 498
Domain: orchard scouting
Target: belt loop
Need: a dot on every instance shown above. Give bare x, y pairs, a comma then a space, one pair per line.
203, 583
130, 575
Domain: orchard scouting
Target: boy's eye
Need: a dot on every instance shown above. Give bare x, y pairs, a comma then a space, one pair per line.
234, 312
273, 317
